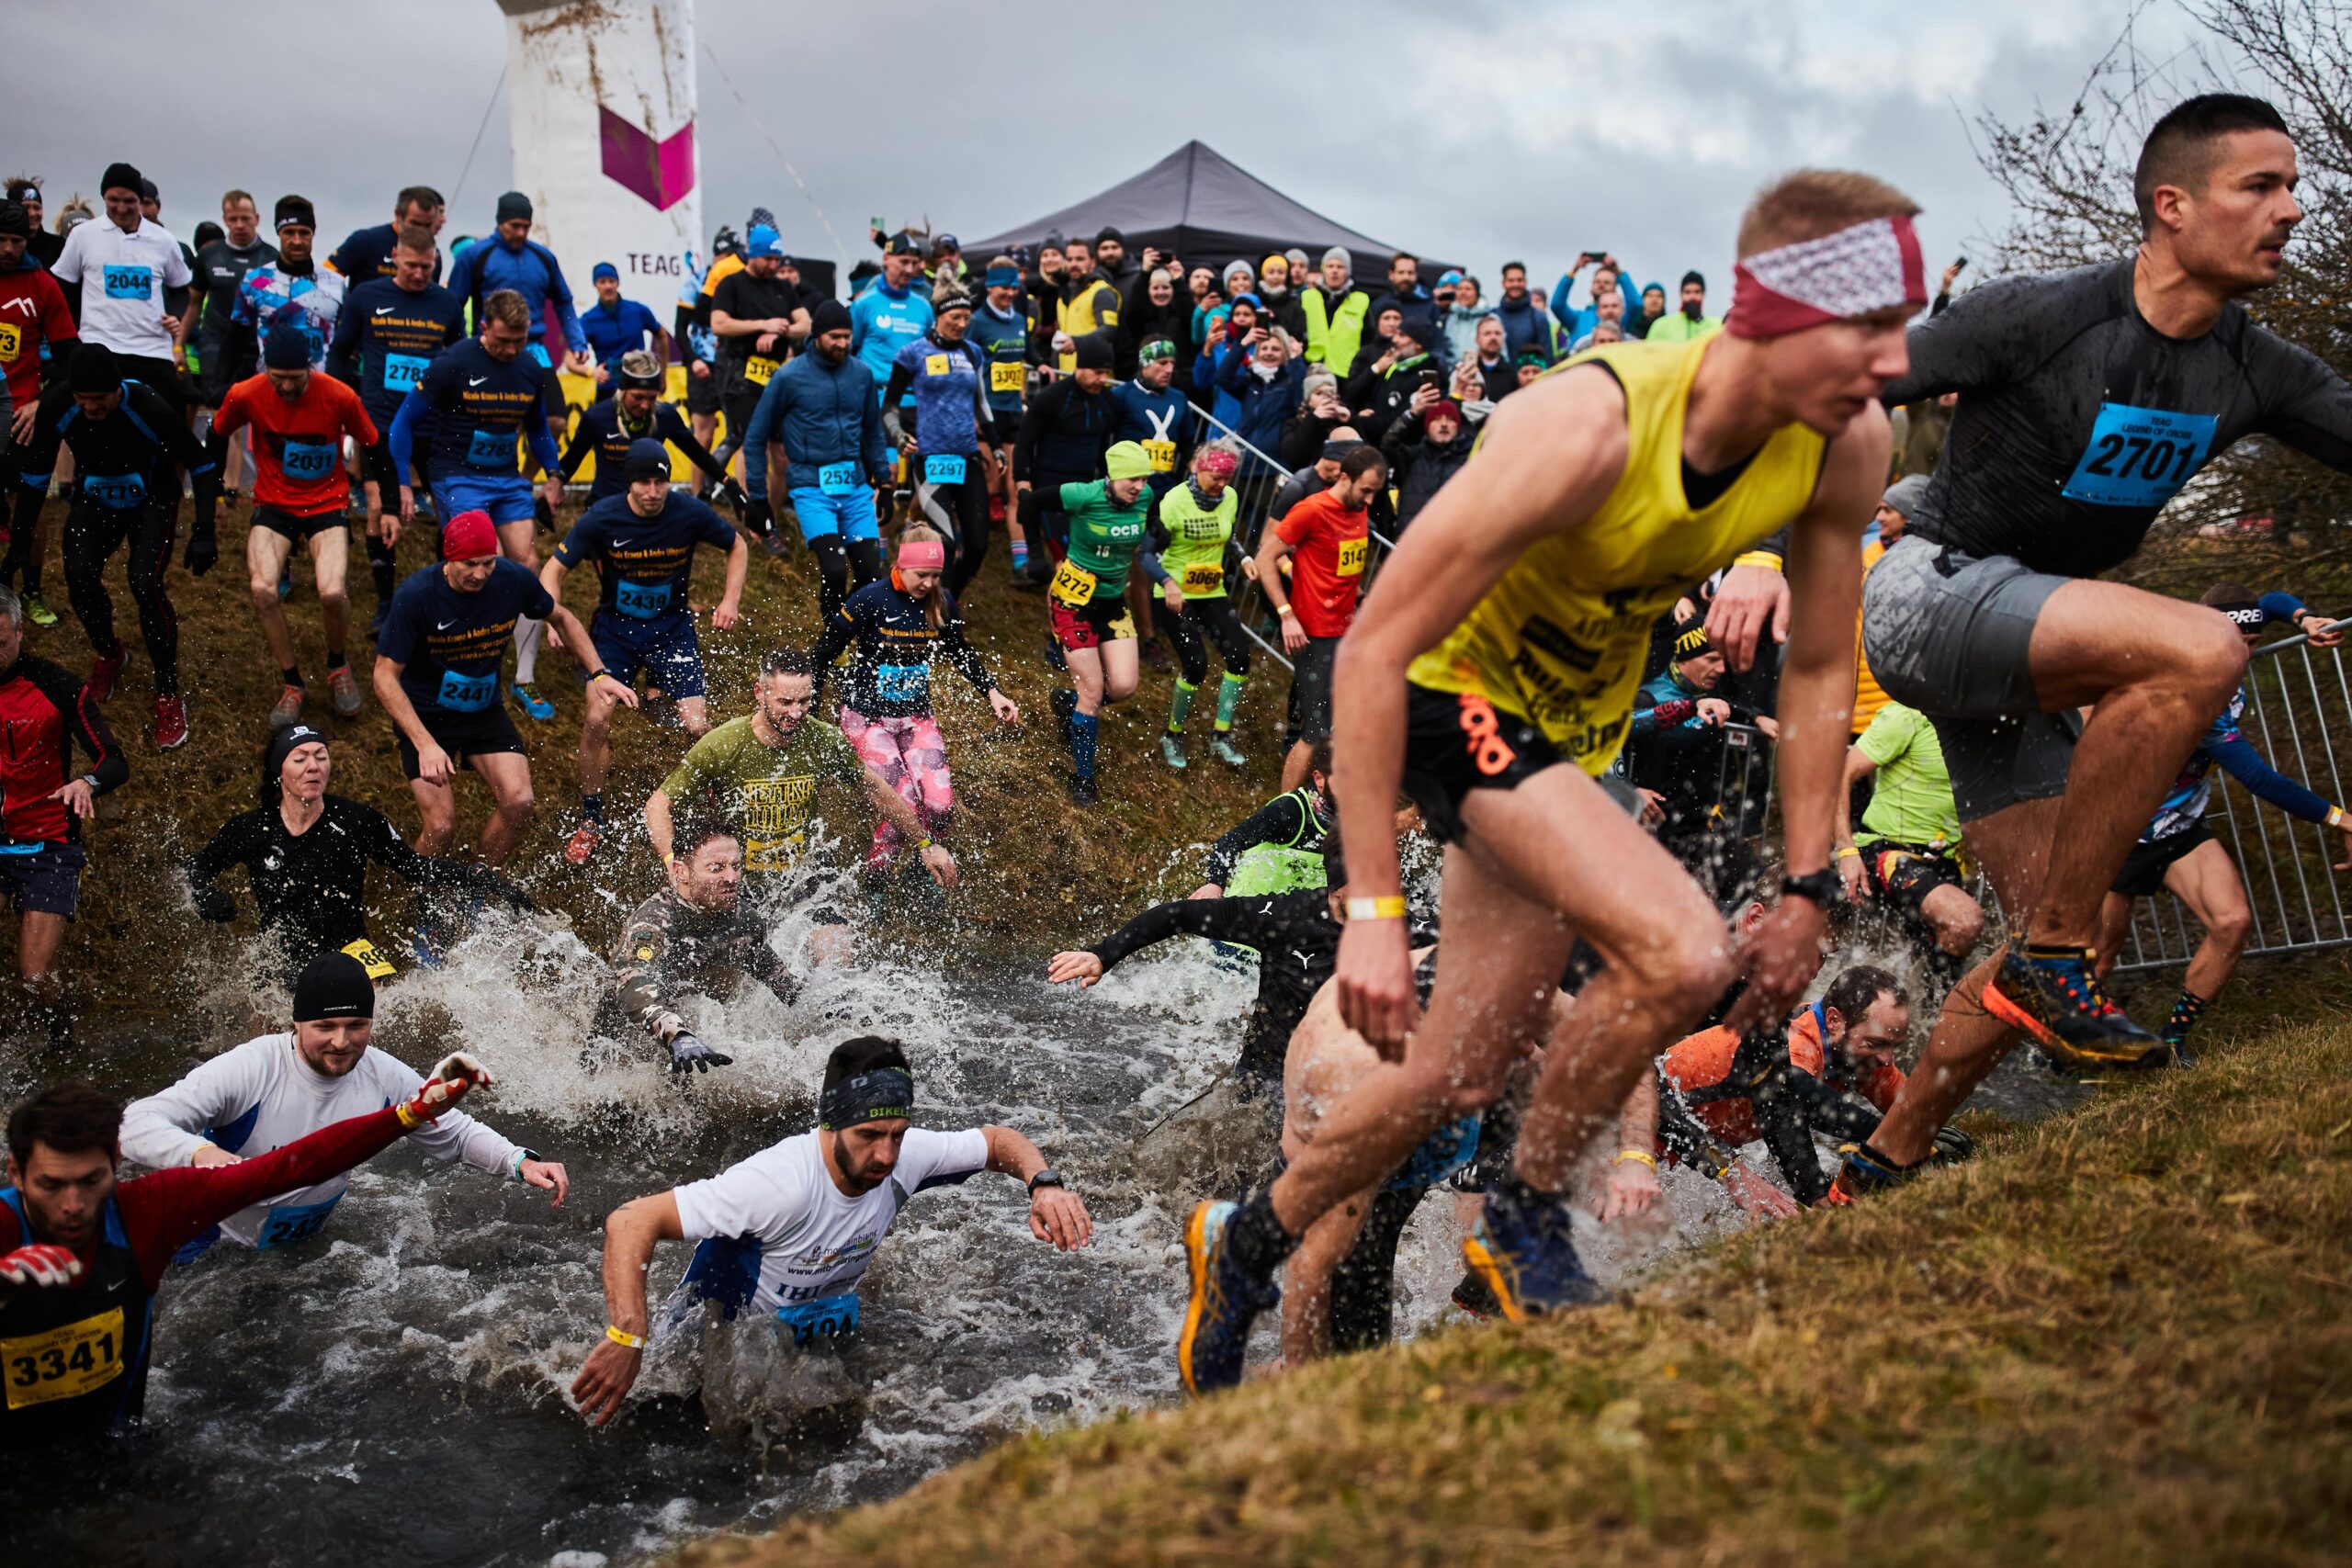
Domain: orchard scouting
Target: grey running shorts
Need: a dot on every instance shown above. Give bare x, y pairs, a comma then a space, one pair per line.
1947, 634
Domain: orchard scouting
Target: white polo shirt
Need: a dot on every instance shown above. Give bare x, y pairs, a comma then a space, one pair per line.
123, 278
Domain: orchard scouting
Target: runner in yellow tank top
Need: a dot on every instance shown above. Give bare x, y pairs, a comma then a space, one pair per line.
1491, 672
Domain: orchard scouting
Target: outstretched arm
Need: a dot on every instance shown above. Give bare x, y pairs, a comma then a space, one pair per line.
631, 1233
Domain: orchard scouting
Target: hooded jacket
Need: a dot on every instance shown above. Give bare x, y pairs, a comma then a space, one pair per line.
824, 413
1458, 330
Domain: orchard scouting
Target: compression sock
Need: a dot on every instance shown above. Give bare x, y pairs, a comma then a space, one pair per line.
1019, 557
592, 808
1255, 1238
1179, 707
381, 564
1229, 698
335, 660
293, 676
526, 649
1085, 729
2186, 1011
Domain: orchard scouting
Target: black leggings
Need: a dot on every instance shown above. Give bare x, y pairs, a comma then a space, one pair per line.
92, 536
833, 569
961, 511
1213, 617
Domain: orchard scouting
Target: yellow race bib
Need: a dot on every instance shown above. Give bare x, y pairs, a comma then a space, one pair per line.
1209, 579
1162, 454
1008, 375
63, 1363
757, 369
1073, 584
934, 364
371, 959
1352, 555
11, 338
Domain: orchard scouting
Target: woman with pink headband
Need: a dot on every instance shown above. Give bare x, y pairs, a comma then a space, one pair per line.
896, 625
1194, 532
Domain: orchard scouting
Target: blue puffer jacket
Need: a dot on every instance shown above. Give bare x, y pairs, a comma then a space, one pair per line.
1264, 405
823, 414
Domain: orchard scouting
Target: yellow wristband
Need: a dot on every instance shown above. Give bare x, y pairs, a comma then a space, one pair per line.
1285, 612
668, 856
408, 1117
1644, 1155
634, 1341
1764, 559
923, 843
2337, 816
1849, 851
1388, 909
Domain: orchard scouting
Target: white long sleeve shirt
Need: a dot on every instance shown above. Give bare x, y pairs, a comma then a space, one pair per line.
261, 1096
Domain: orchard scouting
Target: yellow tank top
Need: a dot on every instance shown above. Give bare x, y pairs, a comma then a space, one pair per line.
1560, 640
1869, 697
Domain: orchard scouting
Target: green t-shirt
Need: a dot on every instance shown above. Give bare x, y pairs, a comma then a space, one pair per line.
1911, 803
1196, 540
768, 793
1103, 536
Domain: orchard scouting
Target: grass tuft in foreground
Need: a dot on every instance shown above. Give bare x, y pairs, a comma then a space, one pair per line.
2120, 1336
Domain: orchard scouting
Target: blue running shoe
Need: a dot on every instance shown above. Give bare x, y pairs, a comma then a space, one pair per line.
1528, 1261
1864, 1170
426, 946
533, 705
2052, 994
1225, 1301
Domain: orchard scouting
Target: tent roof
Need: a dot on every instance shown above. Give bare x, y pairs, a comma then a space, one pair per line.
1208, 210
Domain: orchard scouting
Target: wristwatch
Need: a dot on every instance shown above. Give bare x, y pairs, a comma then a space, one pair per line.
1049, 1177
1821, 886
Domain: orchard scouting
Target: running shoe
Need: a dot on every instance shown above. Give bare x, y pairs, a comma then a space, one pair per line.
37, 609
1866, 1171
286, 579
1471, 1295
342, 691
105, 671
1528, 1261
1224, 1301
1027, 582
583, 842
1222, 749
171, 724
1082, 791
1171, 751
288, 706
1155, 657
2052, 994
533, 705
425, 946
1055, 659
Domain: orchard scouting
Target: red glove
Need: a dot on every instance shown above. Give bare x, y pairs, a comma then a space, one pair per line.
450, 1078
40, 1264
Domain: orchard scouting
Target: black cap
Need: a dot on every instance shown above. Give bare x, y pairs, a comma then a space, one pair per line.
282, 745
1094, 352
1694, 275
119, 176
829, 316
903, 245
147, 191
334, 985
648, 459
16, 221
513, 204
288, 347
93, 368
295, 210
23, 190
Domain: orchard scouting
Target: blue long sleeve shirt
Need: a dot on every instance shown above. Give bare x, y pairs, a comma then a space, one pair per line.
530, 270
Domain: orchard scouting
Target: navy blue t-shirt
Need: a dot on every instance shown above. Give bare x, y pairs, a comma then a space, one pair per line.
480, 408
394, 337
450, 645
613, 332
645, 562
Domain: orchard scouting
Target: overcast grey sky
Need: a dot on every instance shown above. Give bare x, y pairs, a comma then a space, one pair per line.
1475, 129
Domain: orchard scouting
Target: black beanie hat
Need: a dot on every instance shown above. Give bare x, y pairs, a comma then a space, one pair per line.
93, 368
1695, 277
334, 985
829, 316
1094, 352
513, 204
16, 221
647, 459
119, 176
1419, 330
282, 745
295, 210
1108, 234
287, 347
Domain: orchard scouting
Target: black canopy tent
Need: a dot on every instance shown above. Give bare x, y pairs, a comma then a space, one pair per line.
1205, 210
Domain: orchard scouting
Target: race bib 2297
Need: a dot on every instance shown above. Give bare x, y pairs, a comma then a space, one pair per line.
2139, 457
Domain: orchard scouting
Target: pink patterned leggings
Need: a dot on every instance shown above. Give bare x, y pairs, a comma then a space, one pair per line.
911, 755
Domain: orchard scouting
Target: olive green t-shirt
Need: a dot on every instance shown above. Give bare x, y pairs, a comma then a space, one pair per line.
769, 794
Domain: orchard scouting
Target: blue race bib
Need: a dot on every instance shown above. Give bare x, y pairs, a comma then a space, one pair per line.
291, 1224
2140, 457
492, 449
902, 683
943, 468
405, 372
116, 493
467, 694
837, 478
308, 459
820, 1319
130, 282
643, 600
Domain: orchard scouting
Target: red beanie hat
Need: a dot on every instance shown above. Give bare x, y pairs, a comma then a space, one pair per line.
467, 534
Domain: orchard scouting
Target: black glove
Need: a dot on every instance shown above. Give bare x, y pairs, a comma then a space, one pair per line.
688, 1054
213, 904
1952, 1145
733, 495
203, 550
758, 516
